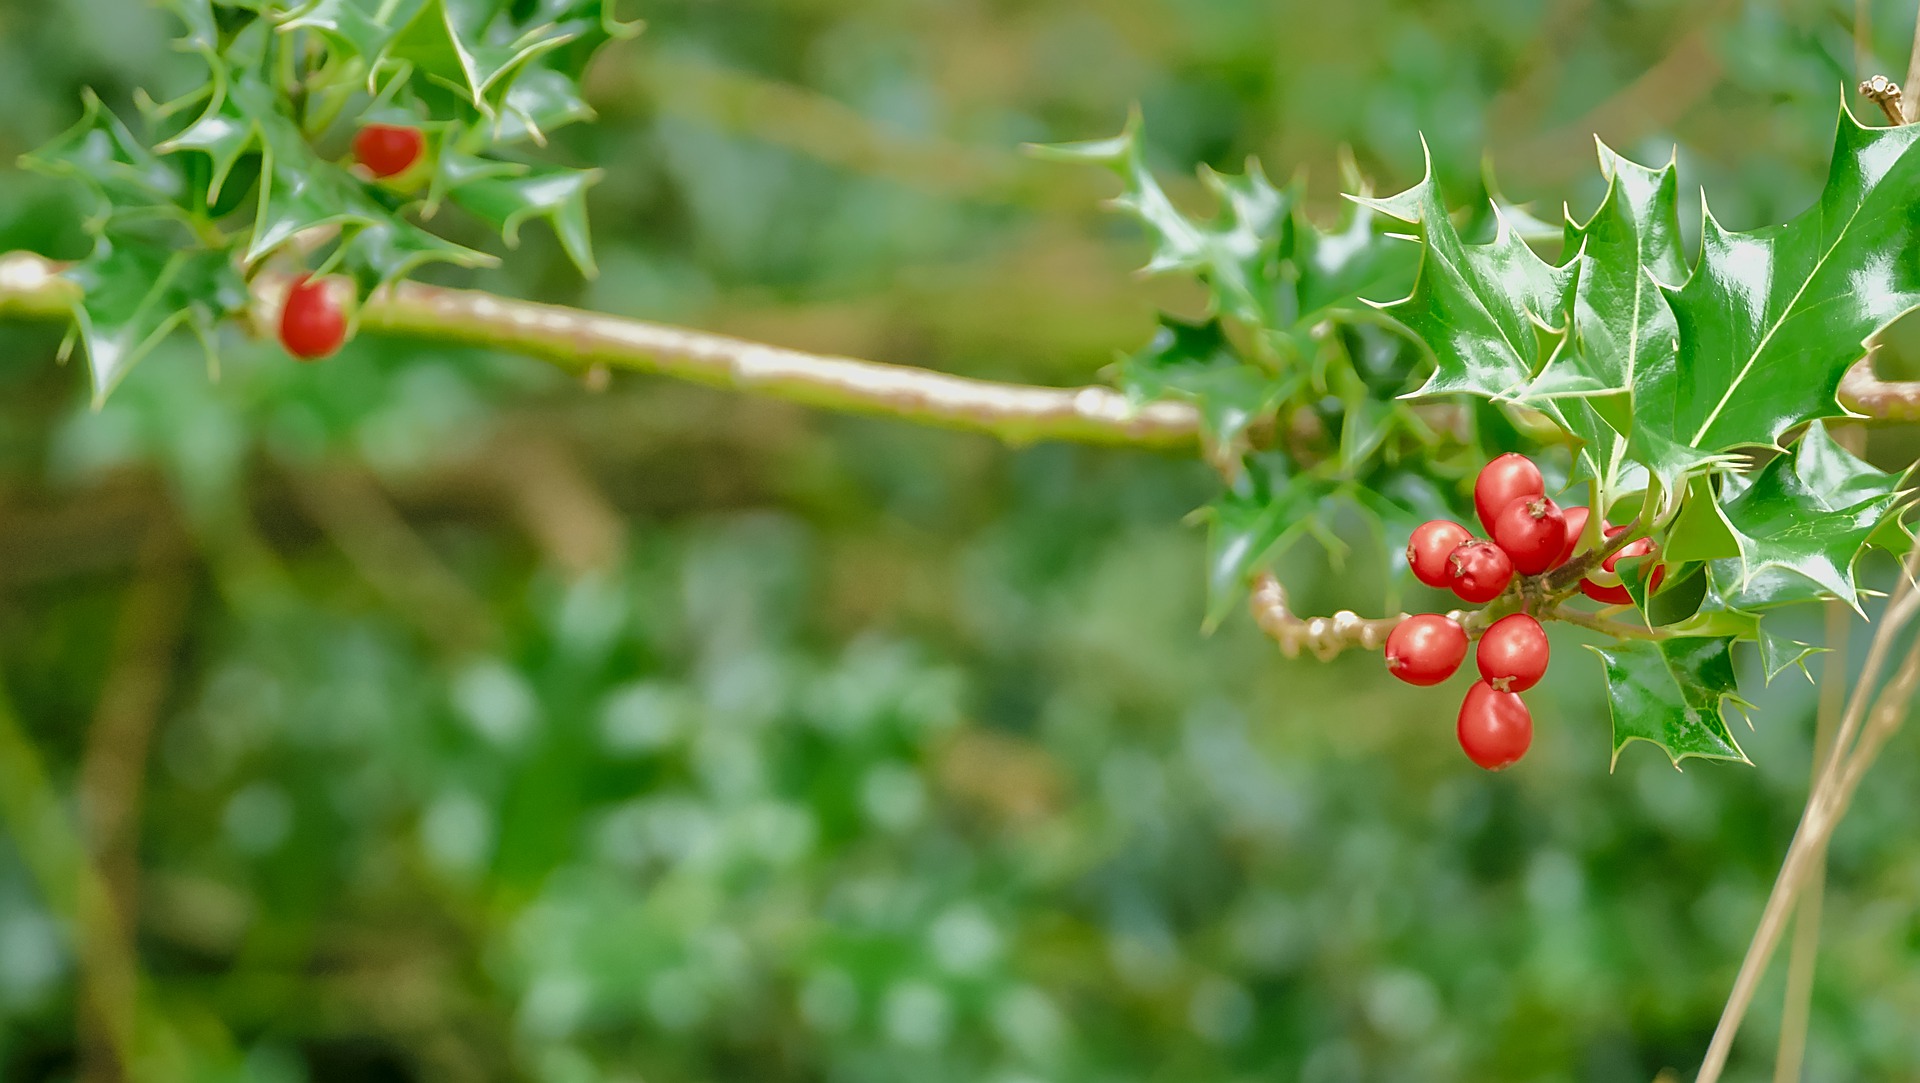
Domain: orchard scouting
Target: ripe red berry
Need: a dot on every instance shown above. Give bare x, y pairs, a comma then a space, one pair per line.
1513, 653
1481, 570
1617, 594
1427, 551
1495, 727
1532, 530
312, 324
1426, 649
388, 150
1576, 525
1501, 482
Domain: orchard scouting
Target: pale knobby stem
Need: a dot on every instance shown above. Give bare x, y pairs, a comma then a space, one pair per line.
592, 344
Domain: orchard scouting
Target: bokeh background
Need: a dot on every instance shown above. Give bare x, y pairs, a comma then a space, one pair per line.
437, 718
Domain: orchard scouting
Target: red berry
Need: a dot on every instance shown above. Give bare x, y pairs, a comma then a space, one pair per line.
388, 150
1495, 727
1513, 653
1576, 526
1481, 570
312, 325
1617, 594
1429, 548
1501, 482
1426, 649
1532, 530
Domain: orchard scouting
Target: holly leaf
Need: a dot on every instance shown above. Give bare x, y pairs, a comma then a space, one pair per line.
1196, 363
447, 43
1803, 520
1254, 522
505, 200
540, 101
133, 293
1778, 651
1672, 693
1770, 319
101, 152
350, 27
1621, 323
1236, 253
1491, 313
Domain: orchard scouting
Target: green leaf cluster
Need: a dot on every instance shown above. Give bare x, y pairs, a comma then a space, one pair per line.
1298, 378
196, 194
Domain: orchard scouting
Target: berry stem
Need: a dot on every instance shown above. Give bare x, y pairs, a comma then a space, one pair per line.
1564, 580
1614, 628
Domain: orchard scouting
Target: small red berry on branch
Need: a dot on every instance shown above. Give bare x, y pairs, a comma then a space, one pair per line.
388, 150
1427, 551
1495, 727
1513, 653
1533, 531
1426, 649
1480, 571
1501, 482
313, 324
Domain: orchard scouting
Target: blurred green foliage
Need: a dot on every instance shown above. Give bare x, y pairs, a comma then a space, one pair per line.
495, 729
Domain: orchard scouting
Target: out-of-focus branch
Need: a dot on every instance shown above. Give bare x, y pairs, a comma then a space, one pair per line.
586, 342
583, 341
1884, 400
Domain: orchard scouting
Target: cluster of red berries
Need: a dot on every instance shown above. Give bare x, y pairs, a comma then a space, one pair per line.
313, 320
1531, 535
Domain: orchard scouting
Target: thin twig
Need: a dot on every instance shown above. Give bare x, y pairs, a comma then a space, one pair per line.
1614, 628
1804, 953
1912, 110
1824, 804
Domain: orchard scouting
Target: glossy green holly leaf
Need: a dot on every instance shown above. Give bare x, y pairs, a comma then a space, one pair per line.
1778, 651
1621, 324
506, 200
1491, 313
135, 292
1267, 509
1700, 531
1619, 321
1770, 319
1805, 517
1672, 693
1194, 362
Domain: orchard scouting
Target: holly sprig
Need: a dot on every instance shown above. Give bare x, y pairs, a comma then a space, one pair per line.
196, 195
1693, 391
